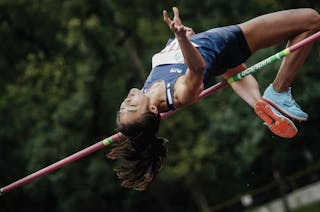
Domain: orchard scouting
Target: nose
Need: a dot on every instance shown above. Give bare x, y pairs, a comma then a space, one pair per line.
134, 90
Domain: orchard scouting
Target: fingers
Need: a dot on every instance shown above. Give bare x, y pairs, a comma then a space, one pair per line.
189, 31
175, 25
175, 12
180, 29
166, 17
188, 28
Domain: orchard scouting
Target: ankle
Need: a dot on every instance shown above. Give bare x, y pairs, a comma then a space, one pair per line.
280, 88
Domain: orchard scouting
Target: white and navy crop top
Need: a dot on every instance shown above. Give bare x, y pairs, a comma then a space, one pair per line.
169, 74
167, 65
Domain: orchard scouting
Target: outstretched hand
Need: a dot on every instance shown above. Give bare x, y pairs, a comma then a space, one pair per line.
176, 24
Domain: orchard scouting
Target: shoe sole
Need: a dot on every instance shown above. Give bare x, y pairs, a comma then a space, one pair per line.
280, 126
283, 111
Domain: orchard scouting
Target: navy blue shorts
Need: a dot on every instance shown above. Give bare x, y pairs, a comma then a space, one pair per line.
222, 48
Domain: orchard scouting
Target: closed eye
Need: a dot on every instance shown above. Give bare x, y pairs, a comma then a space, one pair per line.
127, 110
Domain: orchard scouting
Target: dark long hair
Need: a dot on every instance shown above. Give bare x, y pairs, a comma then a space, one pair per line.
141, 152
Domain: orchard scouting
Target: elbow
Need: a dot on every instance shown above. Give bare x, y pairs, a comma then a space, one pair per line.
201, 67
198, 66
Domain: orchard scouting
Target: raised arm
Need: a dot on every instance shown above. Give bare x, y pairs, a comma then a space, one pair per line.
192, 57
193, 83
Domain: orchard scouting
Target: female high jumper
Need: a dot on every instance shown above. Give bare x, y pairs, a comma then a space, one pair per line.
181, 71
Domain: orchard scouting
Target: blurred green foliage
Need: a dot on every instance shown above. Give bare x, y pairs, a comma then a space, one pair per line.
65, 67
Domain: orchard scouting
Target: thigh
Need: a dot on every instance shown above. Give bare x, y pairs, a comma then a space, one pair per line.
273, 28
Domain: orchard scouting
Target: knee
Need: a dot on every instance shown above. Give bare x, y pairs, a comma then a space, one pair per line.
313, 20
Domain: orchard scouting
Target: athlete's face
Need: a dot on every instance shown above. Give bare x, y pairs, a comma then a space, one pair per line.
133, 106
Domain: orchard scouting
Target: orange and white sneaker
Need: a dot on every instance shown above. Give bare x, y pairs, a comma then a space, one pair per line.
276, 122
